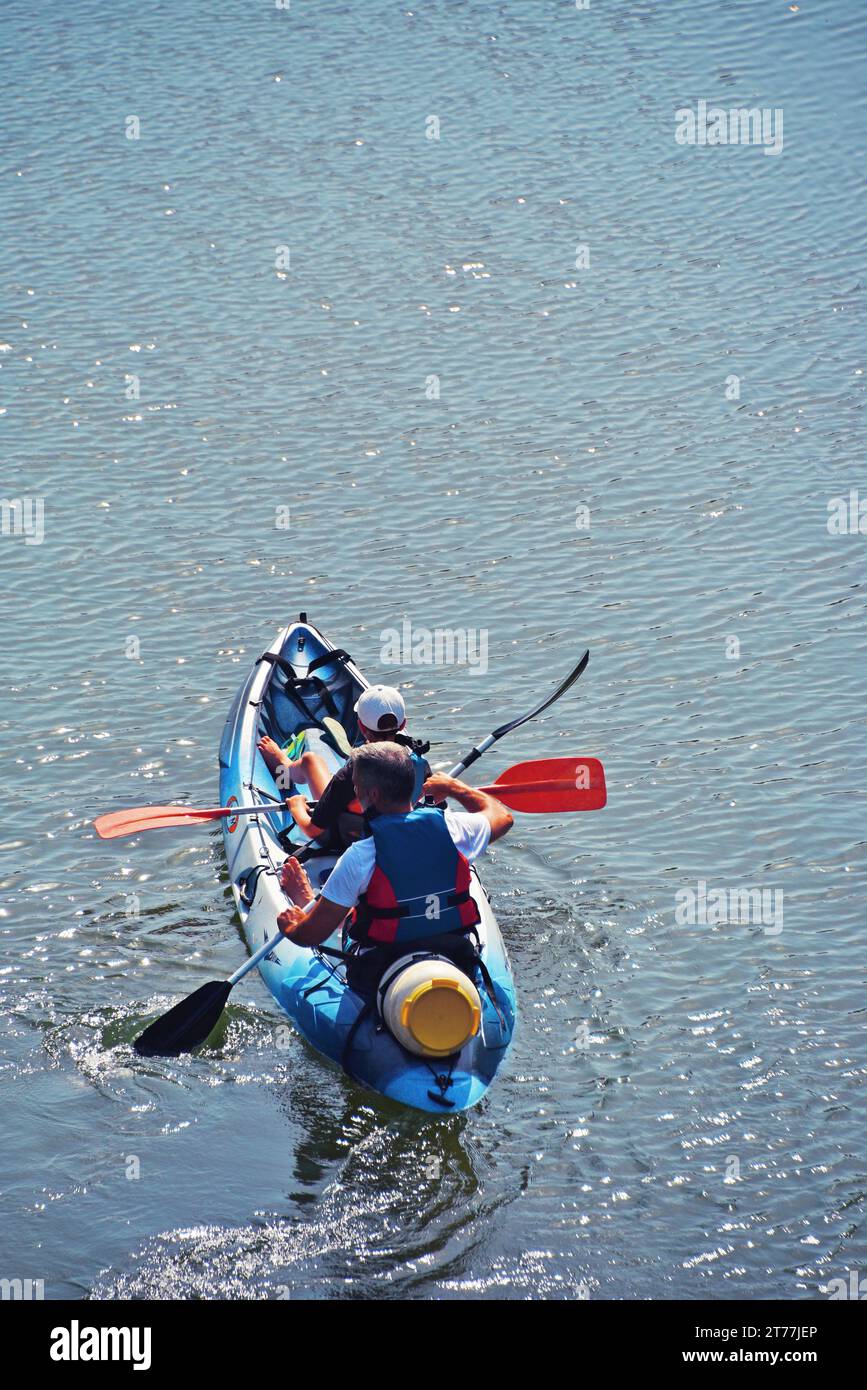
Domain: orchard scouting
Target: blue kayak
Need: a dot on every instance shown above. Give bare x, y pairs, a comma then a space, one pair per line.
294, 693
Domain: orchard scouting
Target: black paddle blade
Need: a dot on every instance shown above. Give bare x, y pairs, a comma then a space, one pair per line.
187, 1024
561, 690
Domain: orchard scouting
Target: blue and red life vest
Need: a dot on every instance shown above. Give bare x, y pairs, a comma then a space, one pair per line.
421, 882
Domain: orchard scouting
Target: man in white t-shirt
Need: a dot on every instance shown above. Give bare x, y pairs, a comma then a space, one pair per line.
383, 776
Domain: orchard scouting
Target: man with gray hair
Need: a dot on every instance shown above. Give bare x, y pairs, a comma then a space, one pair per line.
410, 880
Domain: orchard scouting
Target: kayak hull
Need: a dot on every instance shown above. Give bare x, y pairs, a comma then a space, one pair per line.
309, 987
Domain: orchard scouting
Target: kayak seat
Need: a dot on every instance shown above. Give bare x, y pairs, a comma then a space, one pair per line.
286, 708
292, 701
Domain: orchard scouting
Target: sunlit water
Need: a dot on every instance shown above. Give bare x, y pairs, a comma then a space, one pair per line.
283, 294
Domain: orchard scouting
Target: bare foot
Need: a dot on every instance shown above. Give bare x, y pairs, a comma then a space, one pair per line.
274, 755
295, 883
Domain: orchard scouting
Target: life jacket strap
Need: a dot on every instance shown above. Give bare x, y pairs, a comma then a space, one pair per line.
363, 917
456, 899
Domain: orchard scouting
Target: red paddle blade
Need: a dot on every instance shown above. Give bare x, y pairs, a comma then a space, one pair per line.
553, 784
119, 823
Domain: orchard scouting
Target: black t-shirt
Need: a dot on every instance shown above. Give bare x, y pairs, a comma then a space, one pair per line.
340, 792
335, 800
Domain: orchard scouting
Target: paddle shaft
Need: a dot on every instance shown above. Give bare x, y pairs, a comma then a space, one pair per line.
251, 964
476, 753
229, 811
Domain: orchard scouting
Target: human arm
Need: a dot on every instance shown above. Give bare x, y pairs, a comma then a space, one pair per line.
313, 927
314, 921
298, 808
439, 786
334, 799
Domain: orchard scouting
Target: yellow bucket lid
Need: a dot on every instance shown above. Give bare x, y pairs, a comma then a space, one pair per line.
440, 1015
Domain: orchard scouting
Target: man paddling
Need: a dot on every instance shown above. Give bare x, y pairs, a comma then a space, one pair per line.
381, 718
409, 881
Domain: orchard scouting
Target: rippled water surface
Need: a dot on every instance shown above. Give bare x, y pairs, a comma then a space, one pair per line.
284, 294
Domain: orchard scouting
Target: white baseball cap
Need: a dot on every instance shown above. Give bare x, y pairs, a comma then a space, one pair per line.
381, 708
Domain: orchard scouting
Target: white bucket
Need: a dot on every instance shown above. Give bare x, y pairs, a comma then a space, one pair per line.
429, 1005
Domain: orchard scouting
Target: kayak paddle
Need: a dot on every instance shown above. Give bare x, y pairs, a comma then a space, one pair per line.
476, 753
187, 1025
552, 784
116, 824
577, 784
